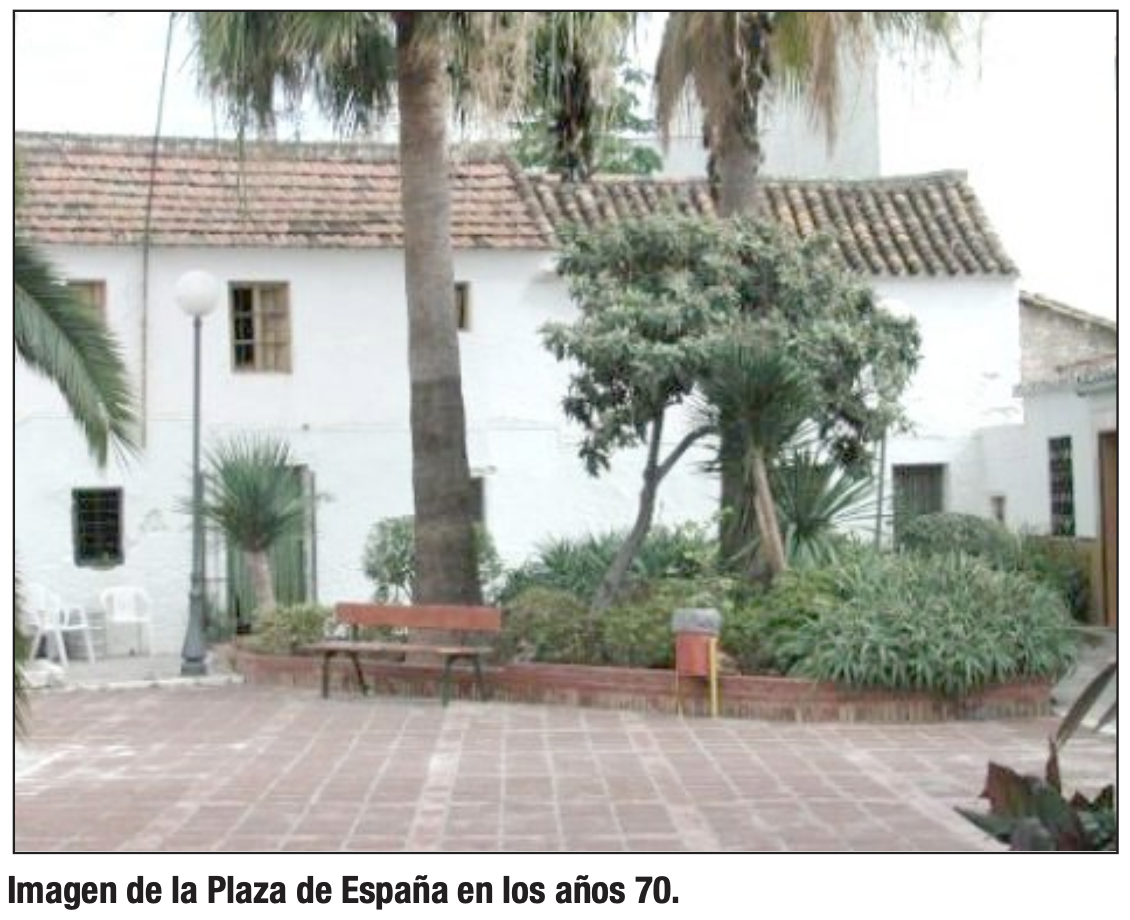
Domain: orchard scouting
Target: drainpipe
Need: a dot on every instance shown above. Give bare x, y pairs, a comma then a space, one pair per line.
143, 383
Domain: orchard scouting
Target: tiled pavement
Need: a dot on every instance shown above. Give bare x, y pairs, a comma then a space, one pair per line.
243, 768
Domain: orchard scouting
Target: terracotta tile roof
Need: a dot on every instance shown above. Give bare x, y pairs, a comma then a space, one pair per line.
915, 225
92, 190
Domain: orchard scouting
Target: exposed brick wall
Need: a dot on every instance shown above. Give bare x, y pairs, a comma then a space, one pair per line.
1050, 339
772, 698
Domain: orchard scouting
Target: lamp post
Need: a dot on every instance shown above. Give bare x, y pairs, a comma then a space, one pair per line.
197, 293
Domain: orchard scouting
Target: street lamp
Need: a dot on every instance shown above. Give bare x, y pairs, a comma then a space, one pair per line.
197, 293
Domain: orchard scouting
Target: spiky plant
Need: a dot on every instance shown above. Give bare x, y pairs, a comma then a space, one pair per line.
758, 398
817, 499
253, 495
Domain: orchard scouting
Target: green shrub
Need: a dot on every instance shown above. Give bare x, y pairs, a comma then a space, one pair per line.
1064, 565
757, 633
389, 561
579, 565
945, 623
546, 624
283, 629
934, 534
637, 631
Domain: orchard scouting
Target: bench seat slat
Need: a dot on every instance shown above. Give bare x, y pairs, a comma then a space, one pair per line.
362, 647
427, 616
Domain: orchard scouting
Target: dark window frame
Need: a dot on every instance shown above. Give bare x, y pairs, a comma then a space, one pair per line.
463, 306
96, 527
1061, 486
261, 339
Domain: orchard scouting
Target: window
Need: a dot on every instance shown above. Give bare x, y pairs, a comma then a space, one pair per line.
91, 293
1062, 482
463, 305
918, 489
260, 328
96, 516
997, 508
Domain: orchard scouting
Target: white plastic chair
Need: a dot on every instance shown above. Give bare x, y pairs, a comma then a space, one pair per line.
50, 618
129, 605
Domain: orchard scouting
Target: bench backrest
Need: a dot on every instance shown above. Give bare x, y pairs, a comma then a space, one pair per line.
425, 616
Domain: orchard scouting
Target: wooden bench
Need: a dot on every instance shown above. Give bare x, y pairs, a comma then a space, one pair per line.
478, 620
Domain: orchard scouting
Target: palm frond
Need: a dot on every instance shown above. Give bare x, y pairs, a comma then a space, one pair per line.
62, 338
252, 492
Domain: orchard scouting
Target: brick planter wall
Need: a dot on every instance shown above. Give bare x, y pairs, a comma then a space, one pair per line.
776, 698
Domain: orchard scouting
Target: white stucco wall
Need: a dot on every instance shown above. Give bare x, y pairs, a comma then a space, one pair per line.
969, 367
1016, 456
344, 410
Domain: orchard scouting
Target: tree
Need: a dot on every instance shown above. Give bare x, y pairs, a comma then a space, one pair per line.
253, 494
648, 291
60, 337
660, 301
360, 66
734, 60
577, 121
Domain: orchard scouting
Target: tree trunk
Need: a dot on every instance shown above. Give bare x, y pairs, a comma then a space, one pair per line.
259, 569
654, 472
773, 547
737, 162
445, 551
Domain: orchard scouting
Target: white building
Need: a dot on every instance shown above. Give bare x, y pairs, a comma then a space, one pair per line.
1057, 472
311, 344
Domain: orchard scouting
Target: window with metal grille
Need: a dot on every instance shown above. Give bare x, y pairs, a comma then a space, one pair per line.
1062, 482
90, 293
463, 305
96, 518
918, 489
260, 327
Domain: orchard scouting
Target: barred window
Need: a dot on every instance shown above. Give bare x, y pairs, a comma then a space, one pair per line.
260, 327
1062, 481
96, 517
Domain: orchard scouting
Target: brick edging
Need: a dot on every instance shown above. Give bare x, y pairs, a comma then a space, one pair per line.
742, 696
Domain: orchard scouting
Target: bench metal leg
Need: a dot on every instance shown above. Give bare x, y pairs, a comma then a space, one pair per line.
360, 677
479, 678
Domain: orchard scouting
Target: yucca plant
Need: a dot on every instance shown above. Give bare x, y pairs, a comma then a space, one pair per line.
758, 398
817, 499
253, 494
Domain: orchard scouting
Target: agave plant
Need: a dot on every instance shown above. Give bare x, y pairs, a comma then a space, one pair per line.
253, 495
817, 499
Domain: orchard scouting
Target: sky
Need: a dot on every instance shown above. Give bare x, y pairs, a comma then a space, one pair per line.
1030, 115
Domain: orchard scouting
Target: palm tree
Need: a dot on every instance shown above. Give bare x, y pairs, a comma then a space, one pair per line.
733, 60
252, 494
573, 61
59, 336
758, 399
360, 66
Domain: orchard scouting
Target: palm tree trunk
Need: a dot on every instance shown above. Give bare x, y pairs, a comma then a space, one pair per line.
445, 552
773, 547
259, 568
737, 162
